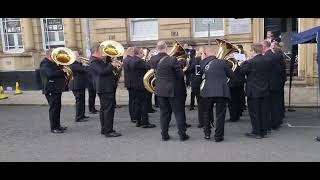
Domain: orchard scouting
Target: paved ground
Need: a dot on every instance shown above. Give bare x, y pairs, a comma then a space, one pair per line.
25, 136
300, 96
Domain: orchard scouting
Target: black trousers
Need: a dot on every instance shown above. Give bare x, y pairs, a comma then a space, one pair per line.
80, 103
54, 101
242, 99
115, 97
207, 104
140, 110
92, 97
195, 92
131, 95
200, 110
156, 100
106, 111
149, 101
276, 108
235, 104
167, 106
283, 112
259, 114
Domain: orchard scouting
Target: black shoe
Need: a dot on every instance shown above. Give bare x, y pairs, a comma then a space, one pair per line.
184, 137
134, 121
188, 125
148, 126
276, 128
165, 138
57, 131
93, 112
318, 138
138, 124
218, 139
156, 106
152, 111
118, 106
102, 132
81, 120
200, 126
252, 135
85, 117
113, 134
207, 137
63, 128
191, 108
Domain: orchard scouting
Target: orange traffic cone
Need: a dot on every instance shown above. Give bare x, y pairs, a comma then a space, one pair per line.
17, 91
2, 95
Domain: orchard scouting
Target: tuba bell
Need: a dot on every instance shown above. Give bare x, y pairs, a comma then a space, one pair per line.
114, 50
181, 55
64, 57
225, 52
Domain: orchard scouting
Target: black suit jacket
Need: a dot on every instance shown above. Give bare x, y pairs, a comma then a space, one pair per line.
52, 77
277, 75
257, 71
169, 77
137, 68
127, 72
79, 76
216, 74
195, 80
104, 80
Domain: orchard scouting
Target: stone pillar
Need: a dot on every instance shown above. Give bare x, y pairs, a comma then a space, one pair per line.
258, 29
27, 34
70, 33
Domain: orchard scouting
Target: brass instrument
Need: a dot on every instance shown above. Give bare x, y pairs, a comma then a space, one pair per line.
225, 52
113, 50
64, 57
178, 52
146, 52
85, 61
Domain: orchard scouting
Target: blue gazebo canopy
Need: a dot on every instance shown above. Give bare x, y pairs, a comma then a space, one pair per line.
309, 36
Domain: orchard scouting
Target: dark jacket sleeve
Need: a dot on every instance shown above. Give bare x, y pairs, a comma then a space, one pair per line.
228, 70
51, 73
245, 67
141, 65
102, 70
78, 68
178, 69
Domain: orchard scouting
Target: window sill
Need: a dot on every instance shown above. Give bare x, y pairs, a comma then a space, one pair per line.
8, 54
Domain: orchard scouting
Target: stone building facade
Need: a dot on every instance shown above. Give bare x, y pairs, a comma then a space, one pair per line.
24, 40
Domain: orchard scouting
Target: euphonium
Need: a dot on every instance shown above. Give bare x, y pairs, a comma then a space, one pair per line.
113, 50
225, 52
64, 57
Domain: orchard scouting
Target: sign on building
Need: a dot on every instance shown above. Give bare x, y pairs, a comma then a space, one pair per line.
239, 25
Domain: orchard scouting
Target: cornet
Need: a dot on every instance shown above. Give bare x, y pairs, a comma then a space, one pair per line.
84, 61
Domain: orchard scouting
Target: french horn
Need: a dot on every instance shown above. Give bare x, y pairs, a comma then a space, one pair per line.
225, 52
114, 50
64, 57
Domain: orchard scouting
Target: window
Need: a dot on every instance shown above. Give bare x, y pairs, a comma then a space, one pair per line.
52, 33
201, 30
143, 29
11, 35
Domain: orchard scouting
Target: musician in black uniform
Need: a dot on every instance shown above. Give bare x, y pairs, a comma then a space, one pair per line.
102, 69
243, 105
257, 90
277, 50
195, 81
191, 72
128, 80
235, 103
53, 84
138, 67
117, 78
170, 89
91, 90
215, 91
78, 85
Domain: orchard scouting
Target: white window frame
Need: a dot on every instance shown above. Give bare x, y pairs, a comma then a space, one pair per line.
205, 33
4, 47
44, 33
146, 37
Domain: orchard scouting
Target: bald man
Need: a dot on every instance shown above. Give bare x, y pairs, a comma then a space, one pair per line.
170, 89
215, 92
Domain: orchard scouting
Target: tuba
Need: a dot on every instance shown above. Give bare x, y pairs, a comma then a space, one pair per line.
113, 50
64, 57
177, 52
225, 52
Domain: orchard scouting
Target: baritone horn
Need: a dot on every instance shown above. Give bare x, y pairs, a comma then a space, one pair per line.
114, 50
225, 52
64, 57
